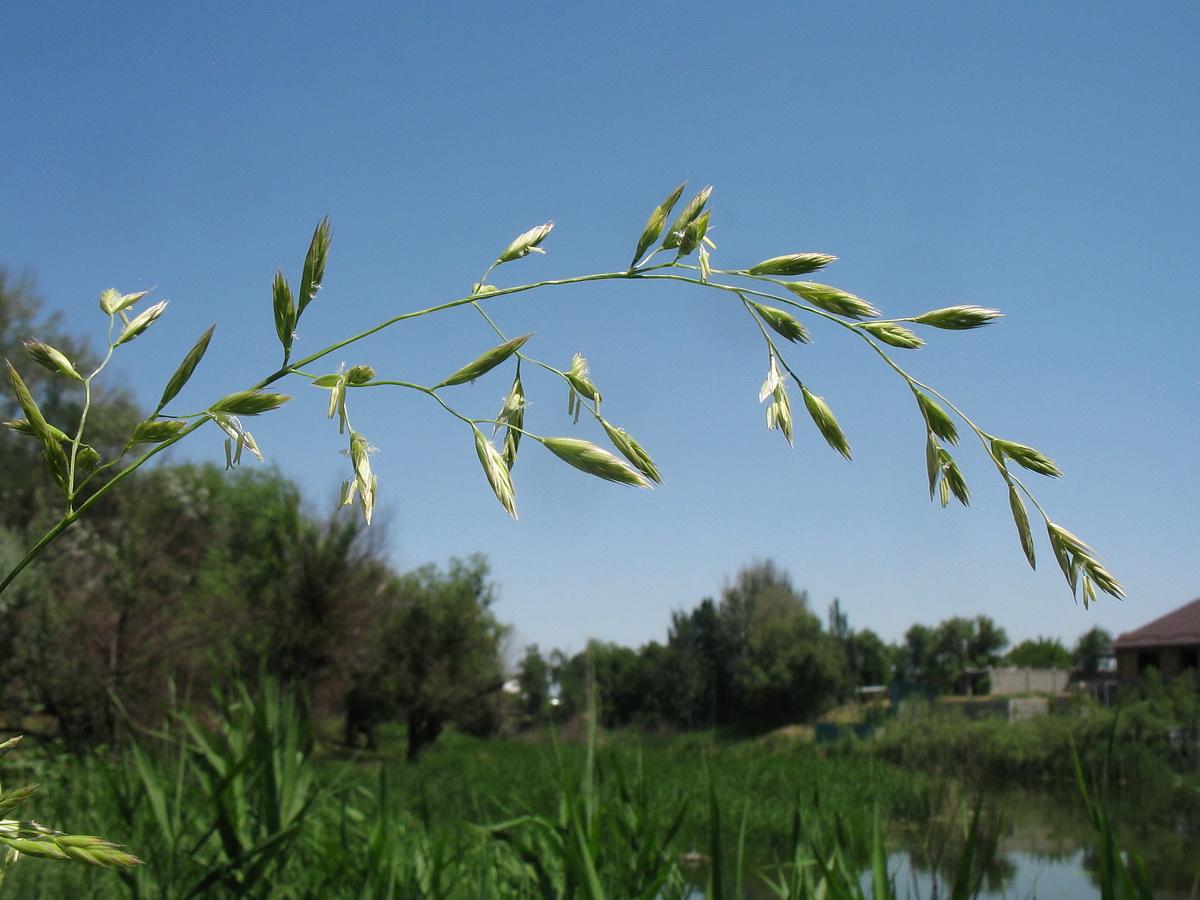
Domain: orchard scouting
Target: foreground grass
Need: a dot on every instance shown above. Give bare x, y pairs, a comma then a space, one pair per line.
249, 810
246, 806
429, 826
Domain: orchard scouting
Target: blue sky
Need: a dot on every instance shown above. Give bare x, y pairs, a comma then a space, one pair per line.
1035, 157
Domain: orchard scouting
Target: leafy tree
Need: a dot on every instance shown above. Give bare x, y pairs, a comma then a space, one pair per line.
917, 652
870, 660
754, 660
1040, 653
334, 569
985, 642
658, 681
941, 655
124, 613
791, 673
703, 655
533, 679
192, 575
610, 669
784, 667
438, 656
1093, 651
569, 682
635, 688
839, 622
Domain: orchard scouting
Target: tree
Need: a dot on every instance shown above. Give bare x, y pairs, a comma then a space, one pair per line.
334, 568
191, 576
658, 681
1093, 651
941, 655
784, 667
130, 606
703, 654
438, 656
986, 641
610, 672
1040, 653
791, 672
870, 660
533, 679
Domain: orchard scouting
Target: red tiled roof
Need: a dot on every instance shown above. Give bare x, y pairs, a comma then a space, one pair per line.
1179, 627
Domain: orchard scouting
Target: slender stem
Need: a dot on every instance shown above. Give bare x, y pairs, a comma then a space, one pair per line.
452, 304
77, 440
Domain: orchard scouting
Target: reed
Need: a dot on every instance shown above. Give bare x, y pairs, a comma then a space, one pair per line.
236, 802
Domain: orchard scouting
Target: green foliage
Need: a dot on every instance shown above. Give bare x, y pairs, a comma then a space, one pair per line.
870, 660
191, 575
1040, 653
25, 837
533, 679
1093, 650
220, 807
248, 810
597, 846
941, 655
756, 660
1149, 736
436, 653
1120, 878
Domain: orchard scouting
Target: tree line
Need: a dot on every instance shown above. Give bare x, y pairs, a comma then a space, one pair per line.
759, 658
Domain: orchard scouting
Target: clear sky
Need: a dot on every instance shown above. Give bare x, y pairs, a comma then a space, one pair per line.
1035, 157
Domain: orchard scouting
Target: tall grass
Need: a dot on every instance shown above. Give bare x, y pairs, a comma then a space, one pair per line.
236, 803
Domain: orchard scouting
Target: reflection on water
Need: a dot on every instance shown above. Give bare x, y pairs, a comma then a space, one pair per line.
1019, 875
1015, 875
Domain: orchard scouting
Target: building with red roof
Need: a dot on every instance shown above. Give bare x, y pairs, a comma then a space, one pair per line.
1170, 644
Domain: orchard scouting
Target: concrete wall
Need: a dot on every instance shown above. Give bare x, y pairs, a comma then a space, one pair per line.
1028, 681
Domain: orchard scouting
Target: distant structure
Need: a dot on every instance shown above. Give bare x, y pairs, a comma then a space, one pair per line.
1013, 680
1170, 644
1005, 681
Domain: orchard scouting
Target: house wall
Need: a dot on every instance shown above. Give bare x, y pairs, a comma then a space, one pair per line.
1170, 661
